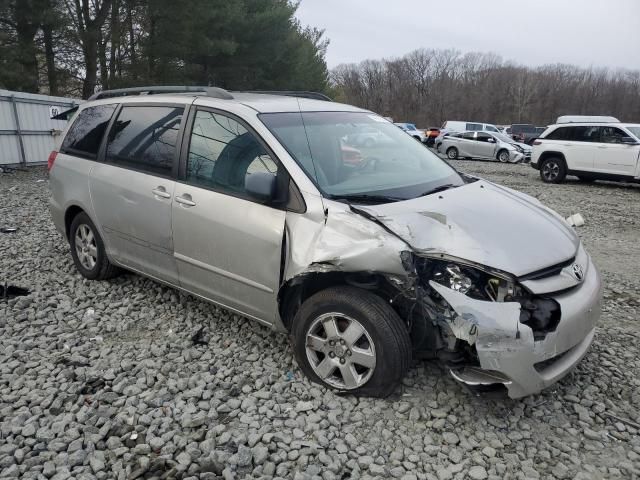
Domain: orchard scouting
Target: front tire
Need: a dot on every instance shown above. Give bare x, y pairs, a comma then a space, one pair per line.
503, 156
87, 250
553, 170
452, 153
350, 339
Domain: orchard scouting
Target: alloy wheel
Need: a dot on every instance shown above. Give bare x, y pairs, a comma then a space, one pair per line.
86, 247
550, 171
340, 351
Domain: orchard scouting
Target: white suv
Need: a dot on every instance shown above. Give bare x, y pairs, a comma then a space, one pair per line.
590, 151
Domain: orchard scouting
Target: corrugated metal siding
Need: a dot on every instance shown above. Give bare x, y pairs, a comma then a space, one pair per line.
33, 114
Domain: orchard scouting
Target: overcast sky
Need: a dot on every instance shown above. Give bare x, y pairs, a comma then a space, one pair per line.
532, 32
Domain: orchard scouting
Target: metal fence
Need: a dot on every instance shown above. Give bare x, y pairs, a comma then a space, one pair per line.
27, 131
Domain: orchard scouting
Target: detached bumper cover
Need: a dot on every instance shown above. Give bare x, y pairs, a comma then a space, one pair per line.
506, 346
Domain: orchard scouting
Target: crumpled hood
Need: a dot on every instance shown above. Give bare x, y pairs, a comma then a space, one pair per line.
483, 223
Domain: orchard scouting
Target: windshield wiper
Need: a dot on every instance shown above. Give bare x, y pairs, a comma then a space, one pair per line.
437, 189
365, 198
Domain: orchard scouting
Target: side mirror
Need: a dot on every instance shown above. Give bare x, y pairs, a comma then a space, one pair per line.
261, 186
491, 140
629, 141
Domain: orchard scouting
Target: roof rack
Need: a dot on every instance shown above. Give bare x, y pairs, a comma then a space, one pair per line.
215, 92
293, 93
153, 90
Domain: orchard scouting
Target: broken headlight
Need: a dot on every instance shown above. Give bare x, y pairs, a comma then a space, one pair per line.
471, 281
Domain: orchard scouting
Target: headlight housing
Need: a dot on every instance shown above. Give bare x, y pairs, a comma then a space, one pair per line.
471, 281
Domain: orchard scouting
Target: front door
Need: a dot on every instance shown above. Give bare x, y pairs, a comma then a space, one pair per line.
132, 192
614, 157
228, 247
485, 145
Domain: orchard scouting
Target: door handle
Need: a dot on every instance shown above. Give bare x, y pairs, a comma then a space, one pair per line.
161, 192
603, 146
186, 200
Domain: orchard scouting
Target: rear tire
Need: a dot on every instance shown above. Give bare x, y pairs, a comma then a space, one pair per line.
553, 170
351, 340
452, 153
87, 250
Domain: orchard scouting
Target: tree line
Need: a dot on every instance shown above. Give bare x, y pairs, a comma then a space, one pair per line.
427, 87
75, 47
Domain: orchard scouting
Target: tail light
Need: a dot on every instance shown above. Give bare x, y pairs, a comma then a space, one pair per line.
537, 142
51, 159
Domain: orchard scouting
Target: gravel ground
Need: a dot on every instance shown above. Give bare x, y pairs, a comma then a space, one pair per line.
103, 380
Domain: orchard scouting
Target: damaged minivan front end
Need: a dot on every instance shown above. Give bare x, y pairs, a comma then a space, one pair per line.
479, 306
484, 279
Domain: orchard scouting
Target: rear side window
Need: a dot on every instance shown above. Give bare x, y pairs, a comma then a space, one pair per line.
85, 135
474, 127
145, 137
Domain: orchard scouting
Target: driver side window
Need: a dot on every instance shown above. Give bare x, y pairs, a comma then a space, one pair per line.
222, 153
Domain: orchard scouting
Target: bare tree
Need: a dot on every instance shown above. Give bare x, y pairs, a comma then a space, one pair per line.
427, 87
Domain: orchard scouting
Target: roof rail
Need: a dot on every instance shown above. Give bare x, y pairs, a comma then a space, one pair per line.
293, 93
215, 92
151, 90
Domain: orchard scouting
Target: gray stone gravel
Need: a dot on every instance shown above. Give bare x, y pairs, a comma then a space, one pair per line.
101, 379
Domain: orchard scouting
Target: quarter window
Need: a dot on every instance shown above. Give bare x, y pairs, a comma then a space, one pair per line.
85, 135
145, 138
222, 153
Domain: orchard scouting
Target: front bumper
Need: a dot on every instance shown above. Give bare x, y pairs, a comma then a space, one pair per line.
506, 348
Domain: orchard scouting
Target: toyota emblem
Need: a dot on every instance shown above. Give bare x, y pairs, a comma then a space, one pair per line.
578, 272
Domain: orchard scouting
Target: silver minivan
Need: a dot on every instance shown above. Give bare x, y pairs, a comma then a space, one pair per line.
366, 256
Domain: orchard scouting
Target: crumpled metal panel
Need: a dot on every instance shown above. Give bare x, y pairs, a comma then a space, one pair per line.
483, 223
342, 240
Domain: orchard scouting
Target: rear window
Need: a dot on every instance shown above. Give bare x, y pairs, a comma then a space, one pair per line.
144, 138
523, 128
85, 135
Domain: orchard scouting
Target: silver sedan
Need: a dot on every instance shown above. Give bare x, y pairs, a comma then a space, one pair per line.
485, 145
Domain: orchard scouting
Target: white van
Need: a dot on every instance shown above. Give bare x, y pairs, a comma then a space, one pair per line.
458, 126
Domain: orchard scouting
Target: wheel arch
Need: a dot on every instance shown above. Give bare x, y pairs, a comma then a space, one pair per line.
70, 213
295, 291
550, 154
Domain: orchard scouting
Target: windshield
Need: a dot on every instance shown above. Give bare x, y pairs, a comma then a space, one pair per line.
339, 153
635, 130
503, 138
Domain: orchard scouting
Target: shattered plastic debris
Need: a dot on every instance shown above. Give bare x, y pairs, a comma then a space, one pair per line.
199, 338
575, 220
